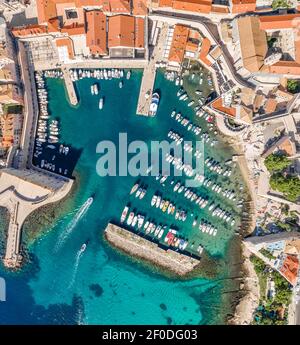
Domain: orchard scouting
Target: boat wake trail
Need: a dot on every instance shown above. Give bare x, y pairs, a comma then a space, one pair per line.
66, 233
77, 260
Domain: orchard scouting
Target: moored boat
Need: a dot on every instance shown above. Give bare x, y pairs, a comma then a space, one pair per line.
134, 188
154, 104
124, 214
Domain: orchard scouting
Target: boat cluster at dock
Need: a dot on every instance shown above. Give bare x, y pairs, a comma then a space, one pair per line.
183, 96
106, 74
45, 131
170, 236
168, 206
47, 135
54, 73
100, 74
196, 129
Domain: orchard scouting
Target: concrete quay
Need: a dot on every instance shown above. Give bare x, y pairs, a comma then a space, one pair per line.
137, 246
149, 74
21, 195
93, 64
70, 86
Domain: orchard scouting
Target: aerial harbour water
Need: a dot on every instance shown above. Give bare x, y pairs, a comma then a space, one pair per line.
64, 284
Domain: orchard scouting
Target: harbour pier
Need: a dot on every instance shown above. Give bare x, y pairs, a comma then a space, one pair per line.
69, 86
137, 246
149, 74
22, 192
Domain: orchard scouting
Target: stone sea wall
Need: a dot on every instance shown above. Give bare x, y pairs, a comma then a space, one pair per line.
140, 247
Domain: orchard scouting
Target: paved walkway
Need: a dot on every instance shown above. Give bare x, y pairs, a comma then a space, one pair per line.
20, 196
69, 86
209, 30
149, 74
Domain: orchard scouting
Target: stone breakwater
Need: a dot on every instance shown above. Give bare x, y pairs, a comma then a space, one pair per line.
142, 248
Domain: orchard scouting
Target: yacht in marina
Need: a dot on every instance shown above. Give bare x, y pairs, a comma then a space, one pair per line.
134, 188
143, 193
128, 75
161, 232
154, 199
158, 200
154, 104
140, 221
101, 103
138, 192
124, 214
134, 221
130, 218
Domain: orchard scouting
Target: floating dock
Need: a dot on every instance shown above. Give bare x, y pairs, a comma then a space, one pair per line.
137, 246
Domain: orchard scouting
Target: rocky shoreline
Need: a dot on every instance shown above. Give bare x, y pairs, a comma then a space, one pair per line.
249, 293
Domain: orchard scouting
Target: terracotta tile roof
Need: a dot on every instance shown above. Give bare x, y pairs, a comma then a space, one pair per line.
73, 29
179, 41
47, 8
119, 6
292, 246
219, 9
200, 6
242, 6
288, 147
218, 105
165, 3
290, 268
285, 21
121, 31
139, 32
66, 42
139, 7
205, 48
191, 46
29, 30
194, 34
96, 37
285, 67
53, 25
253, 43
270, 105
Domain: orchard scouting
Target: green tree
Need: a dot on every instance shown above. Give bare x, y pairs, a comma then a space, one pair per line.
280, 4
277, 162
289, 186
293, 85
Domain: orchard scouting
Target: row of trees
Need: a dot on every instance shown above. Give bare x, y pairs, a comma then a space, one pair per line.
268, 311
288, 185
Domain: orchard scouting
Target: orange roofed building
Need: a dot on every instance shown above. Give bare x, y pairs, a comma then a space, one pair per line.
242, 6
96, 37
125, 32
65, 48
289, 268
279, 22
198, 6
178, 45
284, 22
48, 9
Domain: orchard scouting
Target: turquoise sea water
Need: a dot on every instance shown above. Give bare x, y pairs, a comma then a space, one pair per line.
102, 286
